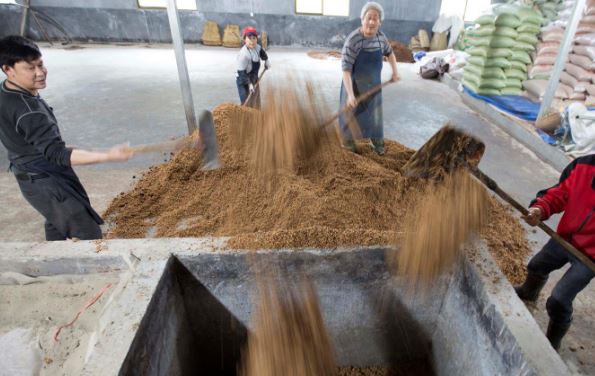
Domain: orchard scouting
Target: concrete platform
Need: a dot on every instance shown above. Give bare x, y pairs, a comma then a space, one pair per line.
106, 94
177, 295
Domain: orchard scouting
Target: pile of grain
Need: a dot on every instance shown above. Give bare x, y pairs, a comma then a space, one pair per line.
402, 52
323, 55
327, 198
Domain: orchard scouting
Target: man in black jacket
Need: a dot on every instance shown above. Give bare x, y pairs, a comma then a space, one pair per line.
38, 157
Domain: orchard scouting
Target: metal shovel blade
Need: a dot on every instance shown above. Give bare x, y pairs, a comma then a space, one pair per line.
208, 141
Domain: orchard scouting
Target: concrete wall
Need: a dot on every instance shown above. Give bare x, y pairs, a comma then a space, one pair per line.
117, 21
99, 4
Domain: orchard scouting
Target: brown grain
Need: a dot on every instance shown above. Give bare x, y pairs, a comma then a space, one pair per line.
332, 198
288, 337
446, 217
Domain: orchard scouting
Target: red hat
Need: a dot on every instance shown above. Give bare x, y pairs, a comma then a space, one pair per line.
249, 30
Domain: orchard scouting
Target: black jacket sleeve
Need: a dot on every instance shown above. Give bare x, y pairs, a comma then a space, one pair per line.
263, 54
41, 132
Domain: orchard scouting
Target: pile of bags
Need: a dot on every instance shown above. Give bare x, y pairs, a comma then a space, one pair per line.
501, 45
549, 9
210, 34
577, 81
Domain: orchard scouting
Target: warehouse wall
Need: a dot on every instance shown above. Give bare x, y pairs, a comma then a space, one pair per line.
122, 21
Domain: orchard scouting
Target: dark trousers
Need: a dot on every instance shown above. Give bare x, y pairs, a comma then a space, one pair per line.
551, 257
65, 216
244, 92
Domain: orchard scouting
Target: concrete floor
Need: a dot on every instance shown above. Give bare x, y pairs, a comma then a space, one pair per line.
104, 95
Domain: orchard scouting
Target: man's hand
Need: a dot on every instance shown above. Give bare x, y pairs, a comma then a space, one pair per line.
120, 152
395, 77
351, 101
533, 217
267, 64
251, 88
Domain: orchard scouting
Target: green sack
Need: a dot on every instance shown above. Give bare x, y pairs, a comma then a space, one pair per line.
511, 91
505, 31
551, 6
473, 69
500, 52
487, 19
477, 60
500, 9
515, 64
481, 41
513, 82
471, 78
498, 62
527, 38
502, 42
529, 28
481, 51
486, 91
492, 83
528, 15
508, 20
471, 85
484, 31
548, 14
520, 55
524, 46
542, 76
515, 73
493, 72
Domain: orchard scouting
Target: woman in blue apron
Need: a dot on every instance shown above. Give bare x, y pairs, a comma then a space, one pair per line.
363, 54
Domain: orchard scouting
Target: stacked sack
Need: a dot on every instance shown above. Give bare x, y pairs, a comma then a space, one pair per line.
477, 44
581, 65
549, 8
576, 81
501, 50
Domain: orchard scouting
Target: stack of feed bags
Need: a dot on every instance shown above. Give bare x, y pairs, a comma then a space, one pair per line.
549, 8
581, 64
499, 60
576, 81
477, 42
524, 33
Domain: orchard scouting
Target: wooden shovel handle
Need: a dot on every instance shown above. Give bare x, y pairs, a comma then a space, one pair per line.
255, 86
358, 100
491, 184
167, 146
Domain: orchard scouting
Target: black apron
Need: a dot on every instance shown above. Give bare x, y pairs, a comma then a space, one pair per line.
365, 76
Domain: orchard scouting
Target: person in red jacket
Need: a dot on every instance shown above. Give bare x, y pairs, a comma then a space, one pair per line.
575, 196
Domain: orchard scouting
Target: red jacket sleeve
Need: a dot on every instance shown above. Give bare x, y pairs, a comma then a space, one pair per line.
553, 200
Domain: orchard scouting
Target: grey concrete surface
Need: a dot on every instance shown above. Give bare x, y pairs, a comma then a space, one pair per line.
475, 323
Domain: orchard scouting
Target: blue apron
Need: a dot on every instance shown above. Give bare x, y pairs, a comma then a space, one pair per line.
365, 76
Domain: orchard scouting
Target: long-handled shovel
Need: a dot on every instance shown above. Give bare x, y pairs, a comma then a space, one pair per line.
450, 149
255, 87
205, 140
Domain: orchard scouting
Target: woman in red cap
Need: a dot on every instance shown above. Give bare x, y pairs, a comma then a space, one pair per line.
249, 65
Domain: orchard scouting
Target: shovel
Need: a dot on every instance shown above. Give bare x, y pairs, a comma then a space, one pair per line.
255, 87
450, 149
205, 140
